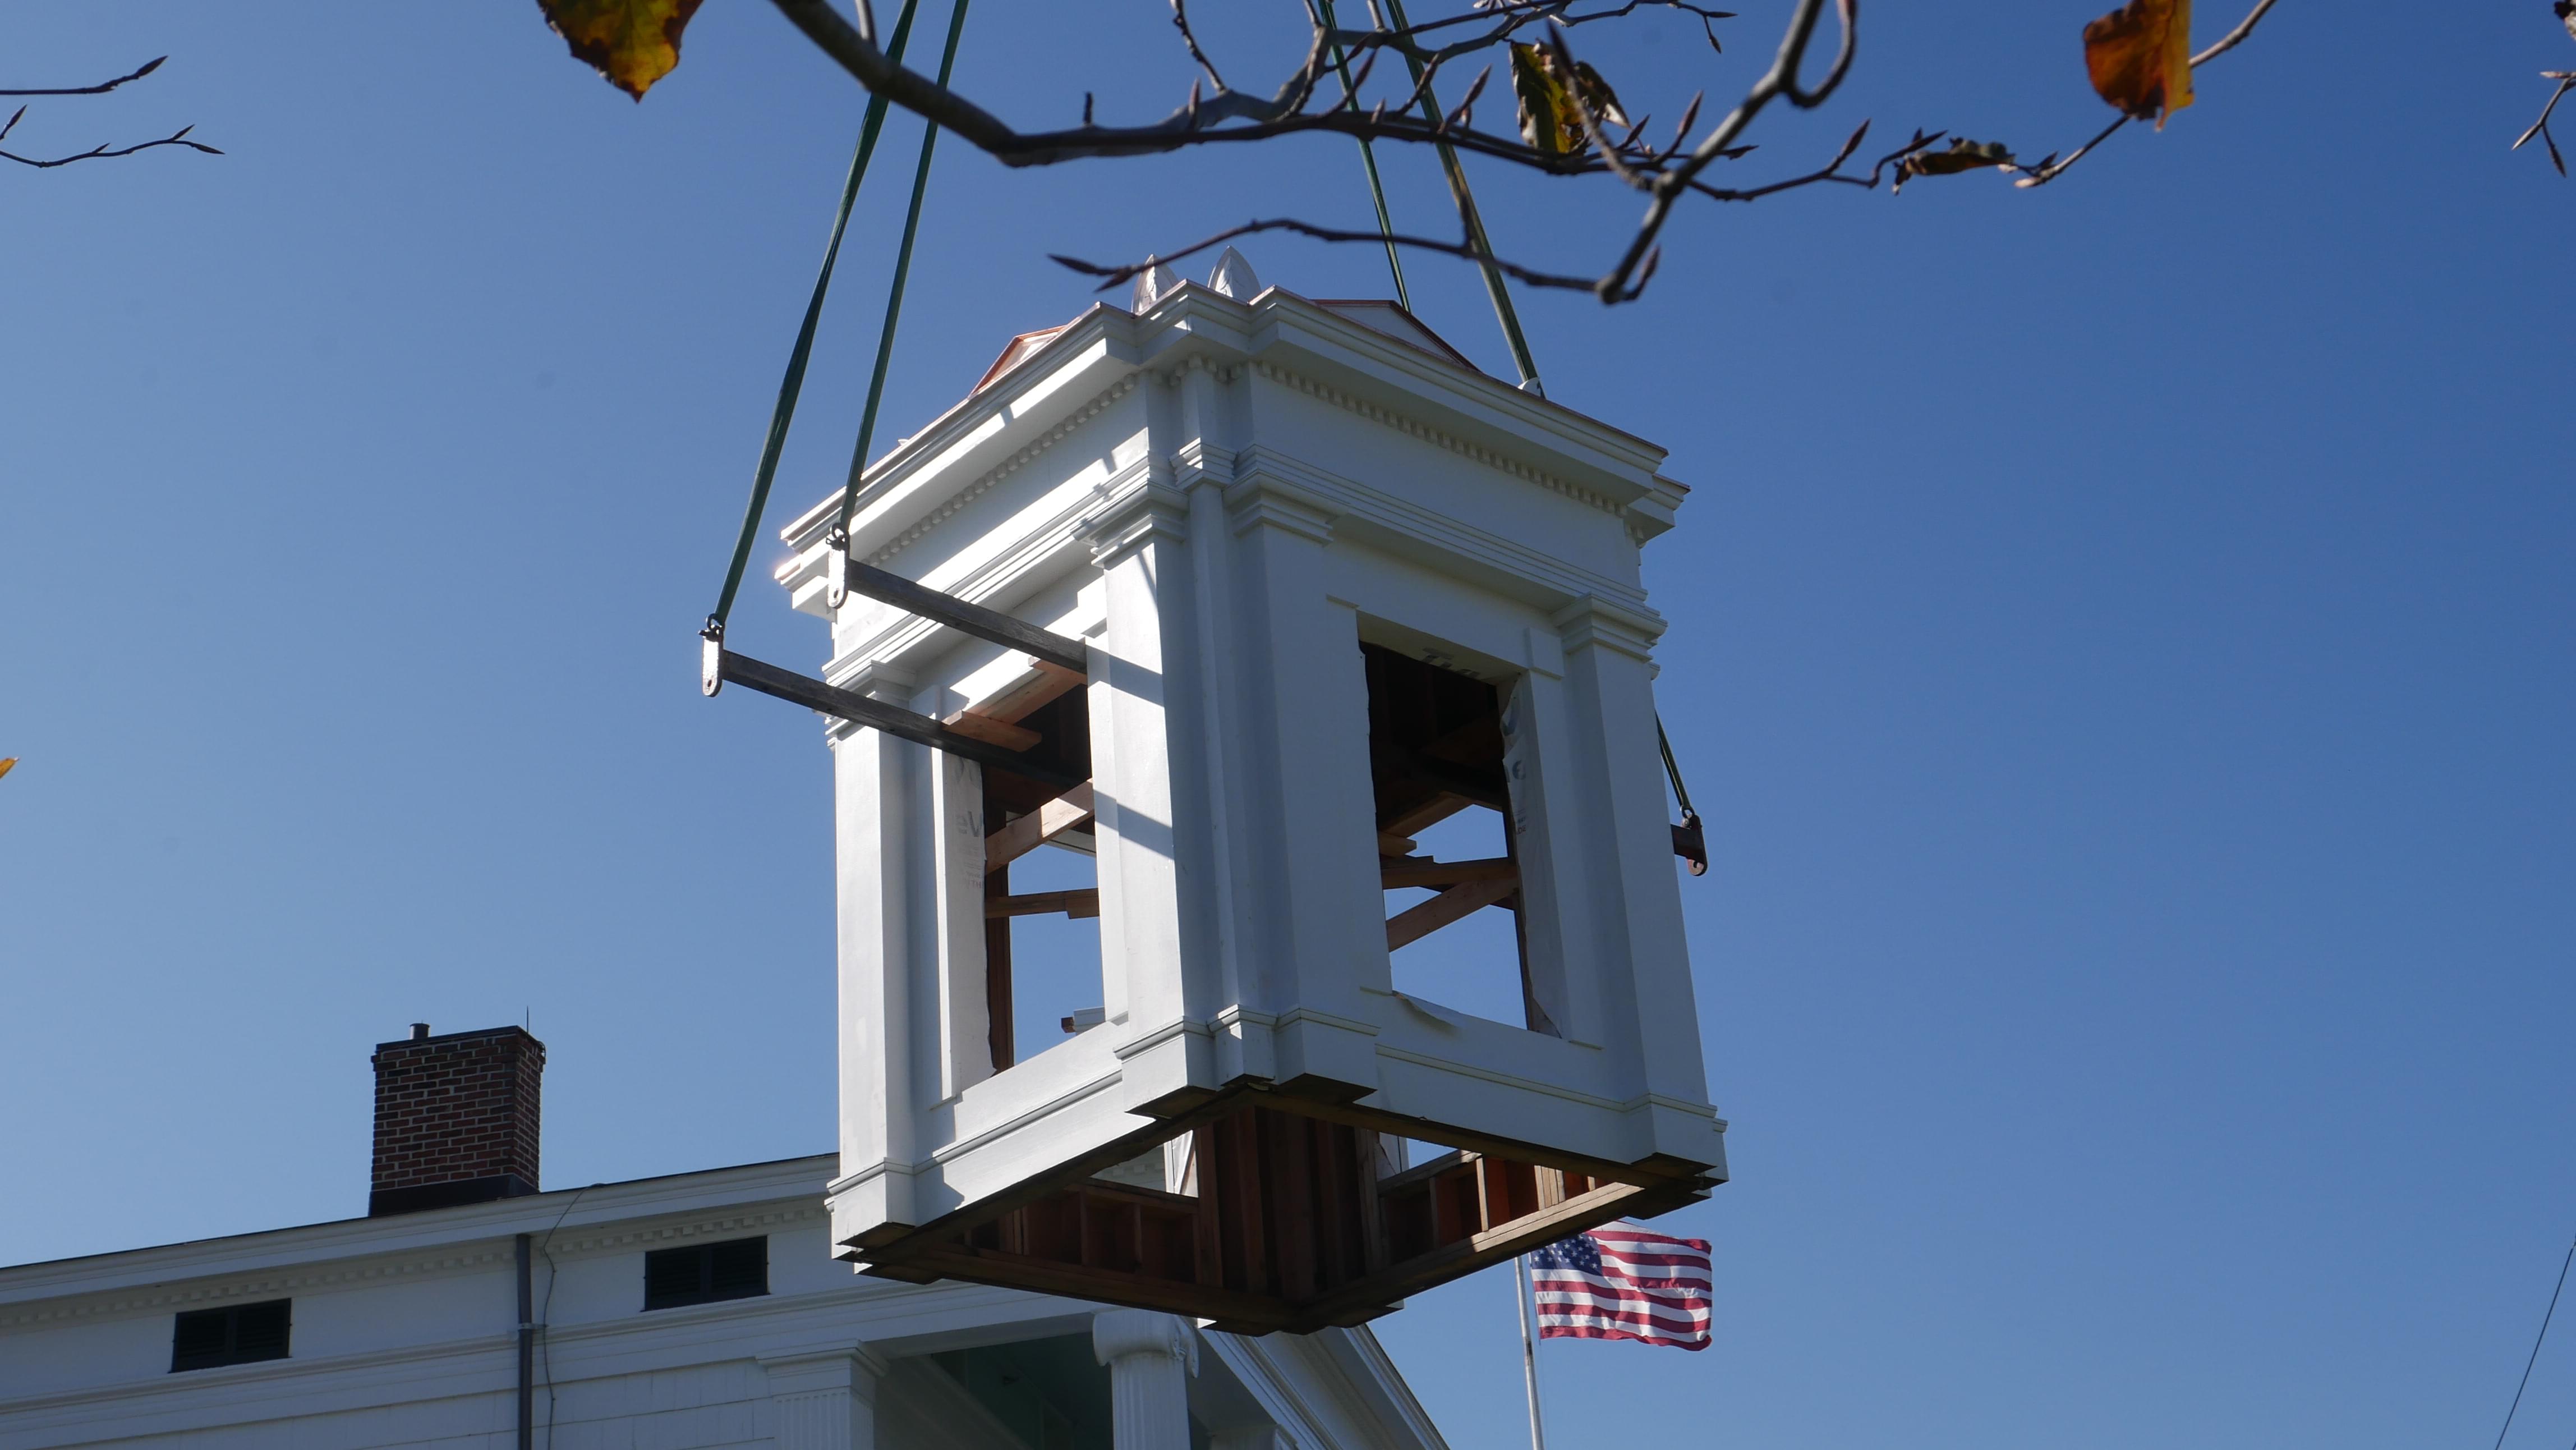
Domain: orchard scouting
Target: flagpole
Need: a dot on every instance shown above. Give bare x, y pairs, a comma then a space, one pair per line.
1529, 1347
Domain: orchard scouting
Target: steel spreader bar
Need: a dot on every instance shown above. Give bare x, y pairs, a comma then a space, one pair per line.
723, 666
967, 618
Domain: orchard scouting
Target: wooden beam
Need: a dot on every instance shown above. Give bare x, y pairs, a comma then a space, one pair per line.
1445, 874
968, 618
1078, 903
1026, 694
1487, 1246
1396, 846
1410, 926
1065, 813
1479, 787
858, 709
1430, 813
997, 732
999, 1015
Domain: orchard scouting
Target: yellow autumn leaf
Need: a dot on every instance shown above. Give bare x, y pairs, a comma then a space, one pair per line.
632, 42
1550, 120
2139, 57
1545, 107
7, 763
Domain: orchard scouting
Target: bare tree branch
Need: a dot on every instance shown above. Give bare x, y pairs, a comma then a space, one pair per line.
1181, 21
1627, 279
2566, 82
1227, 115
2236, 37
102, 151
147, 68
1112, 276
1215, 113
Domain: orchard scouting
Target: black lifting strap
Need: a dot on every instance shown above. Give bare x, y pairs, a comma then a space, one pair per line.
1689, 841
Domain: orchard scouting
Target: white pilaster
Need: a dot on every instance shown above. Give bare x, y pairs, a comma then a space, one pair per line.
824, 1399
1151, 1358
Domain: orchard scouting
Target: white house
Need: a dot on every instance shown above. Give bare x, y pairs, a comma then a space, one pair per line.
700, 1309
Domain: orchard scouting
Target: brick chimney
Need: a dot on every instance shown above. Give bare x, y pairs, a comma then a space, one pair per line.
456, 1118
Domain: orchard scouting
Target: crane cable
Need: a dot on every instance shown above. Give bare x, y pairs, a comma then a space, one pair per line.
1368, 159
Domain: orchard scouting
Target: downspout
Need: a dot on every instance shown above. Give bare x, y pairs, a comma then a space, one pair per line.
527, 1350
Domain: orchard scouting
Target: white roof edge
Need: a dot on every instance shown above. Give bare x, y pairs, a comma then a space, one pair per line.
1366, 1361
346, 1238
1163, 334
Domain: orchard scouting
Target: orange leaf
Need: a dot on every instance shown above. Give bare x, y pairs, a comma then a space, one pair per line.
2140, 58
632, 42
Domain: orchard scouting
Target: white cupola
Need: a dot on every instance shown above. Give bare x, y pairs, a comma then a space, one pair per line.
1235, 595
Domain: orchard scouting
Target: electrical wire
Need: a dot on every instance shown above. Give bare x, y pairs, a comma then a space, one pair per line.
2535, 1345
546, 1313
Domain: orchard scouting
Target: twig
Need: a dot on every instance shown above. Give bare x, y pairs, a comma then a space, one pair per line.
1113, 276
1181, 22
101, 152
1626, 280
2236, 37
147, 68
2566, 82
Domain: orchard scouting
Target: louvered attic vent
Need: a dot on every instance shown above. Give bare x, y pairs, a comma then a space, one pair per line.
705, 1273
241, 1334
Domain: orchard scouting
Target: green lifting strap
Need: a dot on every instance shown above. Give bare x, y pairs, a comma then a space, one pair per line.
1689, 839
894, 303
1472, 221
1368, 160
794, 383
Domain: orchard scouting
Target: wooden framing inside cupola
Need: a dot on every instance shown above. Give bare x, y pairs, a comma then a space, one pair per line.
1243, 600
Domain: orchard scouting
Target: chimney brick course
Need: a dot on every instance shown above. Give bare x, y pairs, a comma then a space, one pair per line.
456, 1119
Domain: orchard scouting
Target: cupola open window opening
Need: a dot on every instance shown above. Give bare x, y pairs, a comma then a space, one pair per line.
1041, 884
1440, 759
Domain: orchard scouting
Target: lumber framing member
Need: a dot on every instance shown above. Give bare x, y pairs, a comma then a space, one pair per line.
1287, 1225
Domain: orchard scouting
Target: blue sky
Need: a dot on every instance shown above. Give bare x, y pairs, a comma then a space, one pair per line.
2121, 642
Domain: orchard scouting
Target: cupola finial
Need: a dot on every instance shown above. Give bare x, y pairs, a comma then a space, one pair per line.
1153, 284
1234, 277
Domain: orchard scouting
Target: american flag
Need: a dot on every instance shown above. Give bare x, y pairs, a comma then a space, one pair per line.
1620, 1282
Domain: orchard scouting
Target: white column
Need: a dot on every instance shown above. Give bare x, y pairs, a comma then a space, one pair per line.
824, 1399
1151, 1358
1252, 1437
876, 825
